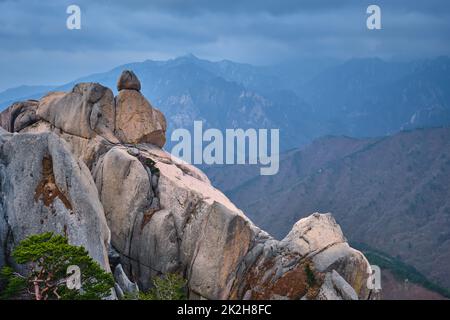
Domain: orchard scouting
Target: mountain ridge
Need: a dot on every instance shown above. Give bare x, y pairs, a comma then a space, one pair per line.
360, 97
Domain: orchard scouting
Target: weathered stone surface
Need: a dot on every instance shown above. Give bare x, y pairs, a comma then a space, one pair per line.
113, 257
349, 263
19, 115
137, 121
86, 150
222, 244
336, 288
311, 234
127, 288
128, 80
198, 232
86, 111
45, 189
124, 190
320, 238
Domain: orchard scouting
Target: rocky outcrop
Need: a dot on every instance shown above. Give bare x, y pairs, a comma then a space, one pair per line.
163, 215
137, 121
321, 239
19, 116
43, 188
86, 111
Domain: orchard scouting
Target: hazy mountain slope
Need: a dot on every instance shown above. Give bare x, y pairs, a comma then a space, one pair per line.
402, 281
295, 164
401, 289
305, 100
390, 193
370, 97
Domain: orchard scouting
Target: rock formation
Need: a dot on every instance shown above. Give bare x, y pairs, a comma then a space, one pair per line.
91, 166
43, 188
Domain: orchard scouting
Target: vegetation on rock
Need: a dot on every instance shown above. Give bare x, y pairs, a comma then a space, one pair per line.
47, 257
401, 270
168, 287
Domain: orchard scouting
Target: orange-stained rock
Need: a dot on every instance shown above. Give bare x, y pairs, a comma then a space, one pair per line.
137, 121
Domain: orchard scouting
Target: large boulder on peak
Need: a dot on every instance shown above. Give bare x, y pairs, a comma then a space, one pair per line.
128, 80
91, 117
137, 121
86, 111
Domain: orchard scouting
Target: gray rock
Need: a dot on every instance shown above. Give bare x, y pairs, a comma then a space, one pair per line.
127, 288
220, 246
119, 291
321, 239
114, 257
349, 263
155, 179
133, 151
86, 111
342, 287
125, 192
336, 288
19, 115
45, 189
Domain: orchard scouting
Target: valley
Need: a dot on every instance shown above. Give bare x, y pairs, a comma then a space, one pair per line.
390, 193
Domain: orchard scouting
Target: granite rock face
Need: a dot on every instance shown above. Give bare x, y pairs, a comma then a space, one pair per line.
43, 188
137, 121
109, 176
19, 115
86, 111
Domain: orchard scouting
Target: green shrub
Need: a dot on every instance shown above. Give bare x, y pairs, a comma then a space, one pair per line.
310, 276
399, 269
151, 165
48, 256
12, 283
169, 287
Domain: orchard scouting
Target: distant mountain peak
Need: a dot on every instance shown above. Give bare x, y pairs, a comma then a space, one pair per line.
187, 57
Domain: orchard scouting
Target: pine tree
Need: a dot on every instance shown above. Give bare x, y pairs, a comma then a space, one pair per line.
47, 257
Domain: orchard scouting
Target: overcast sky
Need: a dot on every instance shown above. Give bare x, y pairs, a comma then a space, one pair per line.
37, 48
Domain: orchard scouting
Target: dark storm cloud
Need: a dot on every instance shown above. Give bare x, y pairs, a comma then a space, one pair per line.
36, 47
277, 7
